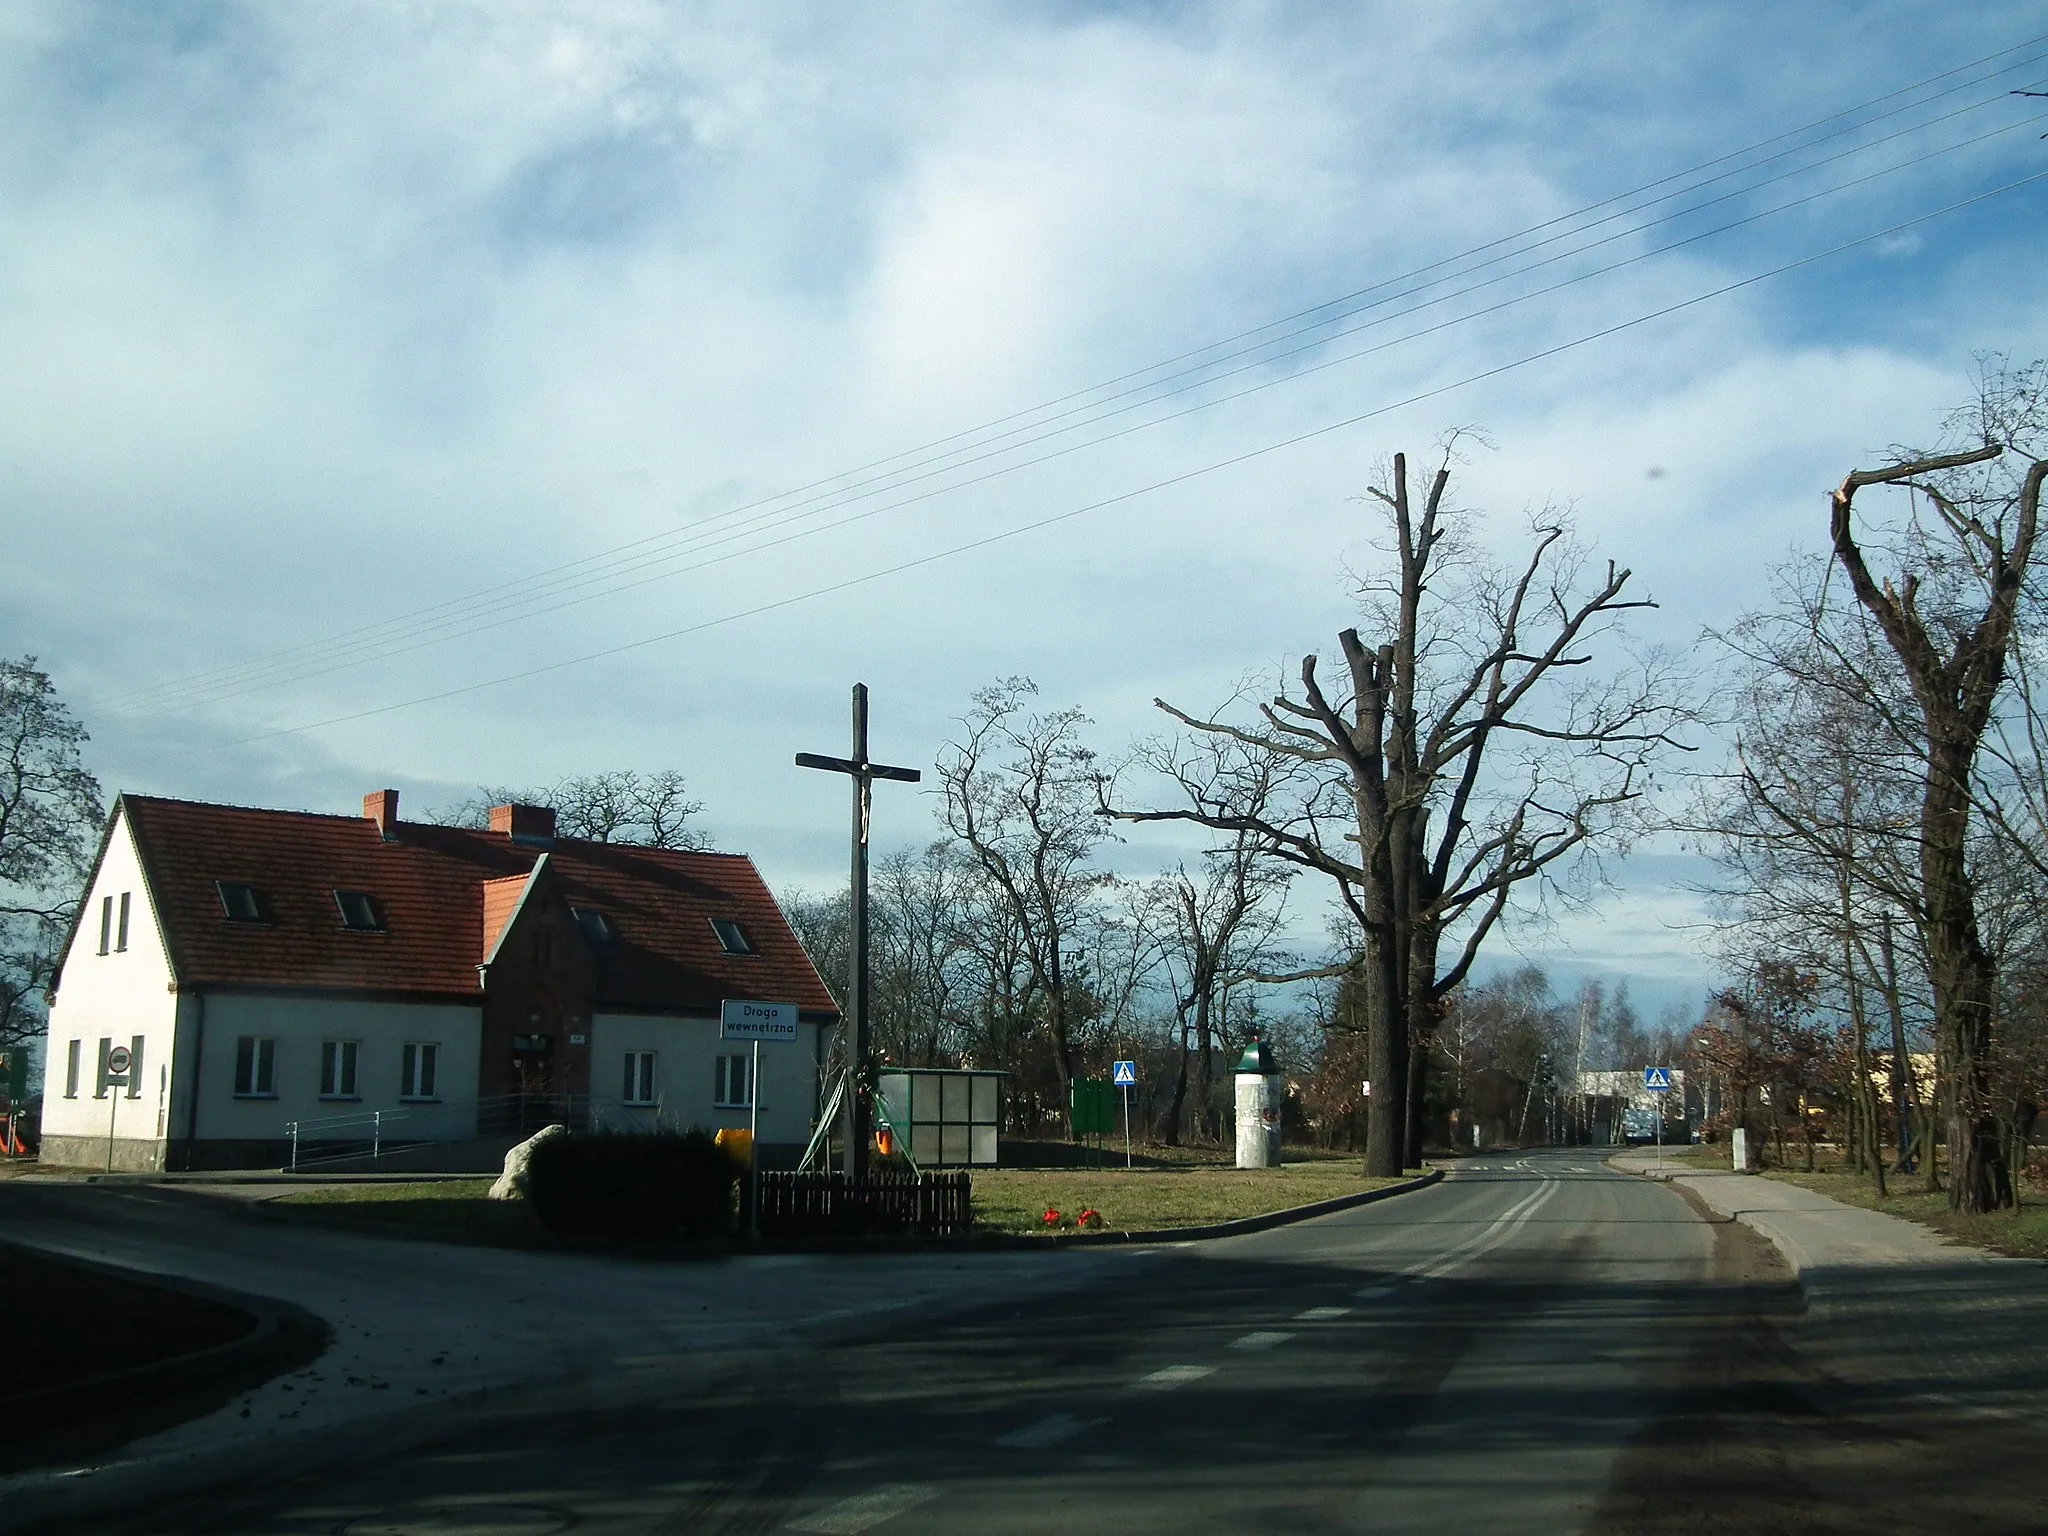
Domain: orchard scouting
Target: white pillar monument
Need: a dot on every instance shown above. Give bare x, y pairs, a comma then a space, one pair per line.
1261, 1090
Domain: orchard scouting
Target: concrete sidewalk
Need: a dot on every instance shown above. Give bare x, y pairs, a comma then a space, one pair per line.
1813, 1232
1895, 1314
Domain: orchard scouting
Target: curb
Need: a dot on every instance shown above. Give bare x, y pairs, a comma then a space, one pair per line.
280, 1337
1234, 1228
1018, 1242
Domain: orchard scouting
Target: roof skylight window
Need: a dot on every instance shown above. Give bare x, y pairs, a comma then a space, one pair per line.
239, 901
731, 937
358, 911
595, 925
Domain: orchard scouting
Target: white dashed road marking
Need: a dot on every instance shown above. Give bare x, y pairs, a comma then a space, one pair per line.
1046, 1432
1374, 1292
849, 1517
1176, 1376
1265, 1338
1322, 1314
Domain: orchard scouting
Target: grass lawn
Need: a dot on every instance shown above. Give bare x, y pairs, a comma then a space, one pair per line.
2022, 1234
453, 1207
1175, 1195
1182, 1193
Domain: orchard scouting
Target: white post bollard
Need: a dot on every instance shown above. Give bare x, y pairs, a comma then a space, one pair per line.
1739, 1142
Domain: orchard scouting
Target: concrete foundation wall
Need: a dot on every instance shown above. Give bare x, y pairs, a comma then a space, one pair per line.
90, 1153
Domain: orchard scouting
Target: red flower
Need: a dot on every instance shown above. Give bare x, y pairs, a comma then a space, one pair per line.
1051, 1217
1089, 1218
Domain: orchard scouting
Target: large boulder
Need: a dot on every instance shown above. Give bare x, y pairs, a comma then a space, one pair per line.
511, 1183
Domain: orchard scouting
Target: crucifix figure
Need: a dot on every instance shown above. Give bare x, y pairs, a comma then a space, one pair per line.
856, 1108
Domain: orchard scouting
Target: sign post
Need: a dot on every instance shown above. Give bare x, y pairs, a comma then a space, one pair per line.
1658, 1080
739, 1019
119, 1060
1125, 1075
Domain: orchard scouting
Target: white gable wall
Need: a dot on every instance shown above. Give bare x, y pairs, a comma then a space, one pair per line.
117, 996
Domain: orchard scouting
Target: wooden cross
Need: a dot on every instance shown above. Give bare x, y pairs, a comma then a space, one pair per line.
857, 1106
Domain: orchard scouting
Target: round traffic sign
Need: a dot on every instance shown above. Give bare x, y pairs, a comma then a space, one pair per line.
119, 1060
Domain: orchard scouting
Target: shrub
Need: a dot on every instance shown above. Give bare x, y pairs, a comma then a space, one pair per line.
634, 1185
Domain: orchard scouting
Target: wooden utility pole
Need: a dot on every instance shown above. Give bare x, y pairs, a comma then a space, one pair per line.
857, 1109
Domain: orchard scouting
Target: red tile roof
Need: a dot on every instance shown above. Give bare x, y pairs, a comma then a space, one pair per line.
433, 888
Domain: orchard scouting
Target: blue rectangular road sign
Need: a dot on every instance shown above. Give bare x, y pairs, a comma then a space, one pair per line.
1657, 1079
1124, 1074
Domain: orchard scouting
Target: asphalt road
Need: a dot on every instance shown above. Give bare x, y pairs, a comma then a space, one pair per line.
1478, 1352
1537, 1344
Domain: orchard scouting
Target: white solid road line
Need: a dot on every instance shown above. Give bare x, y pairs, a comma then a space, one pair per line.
1375, 1292
1322, 1314
1048, 1431
1175, 1376
849, 1517
1503, 1227
1265, 1338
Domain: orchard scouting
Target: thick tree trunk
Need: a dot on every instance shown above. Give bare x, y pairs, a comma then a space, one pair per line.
1965, 979
1386, 1129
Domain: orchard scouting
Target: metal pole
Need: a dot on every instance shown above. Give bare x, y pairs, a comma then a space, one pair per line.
859, 1112
754, 1144
1127, 1127
1660, 1132
376, 1134
113, 1103
295, 1146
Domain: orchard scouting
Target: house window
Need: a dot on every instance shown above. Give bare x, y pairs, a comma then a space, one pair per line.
731, 938
358, 911
639, 1077
121, 924
239, 901
99, 1086
106, 922
730, 1088
71, 1054
256, 1067
338, 1069
595, 925
422, 1061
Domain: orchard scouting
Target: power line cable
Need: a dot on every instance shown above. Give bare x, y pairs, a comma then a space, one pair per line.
1121, 497
1840, 123
474, 624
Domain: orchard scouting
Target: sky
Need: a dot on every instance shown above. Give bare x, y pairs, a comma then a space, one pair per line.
435, 396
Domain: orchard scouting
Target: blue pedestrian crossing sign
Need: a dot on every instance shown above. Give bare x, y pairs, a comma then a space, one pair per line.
1124, 1074
1657, 1079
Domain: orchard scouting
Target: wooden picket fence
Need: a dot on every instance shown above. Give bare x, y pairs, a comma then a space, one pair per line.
892, 1202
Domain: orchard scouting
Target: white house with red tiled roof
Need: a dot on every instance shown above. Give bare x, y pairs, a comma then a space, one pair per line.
243, 986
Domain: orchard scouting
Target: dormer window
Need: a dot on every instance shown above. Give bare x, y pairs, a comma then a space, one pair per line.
731, 937
239, 901
597, 928
358, 911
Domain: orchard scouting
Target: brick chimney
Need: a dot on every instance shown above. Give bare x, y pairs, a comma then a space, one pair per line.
381, 806
533, 823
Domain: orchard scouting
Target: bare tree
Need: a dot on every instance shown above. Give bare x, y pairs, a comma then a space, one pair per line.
1949, 614
653, 810
1019, 793
1220, 928
50, 814
1474, 749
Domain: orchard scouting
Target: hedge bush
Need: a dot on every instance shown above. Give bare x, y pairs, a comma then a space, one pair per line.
633, 1185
